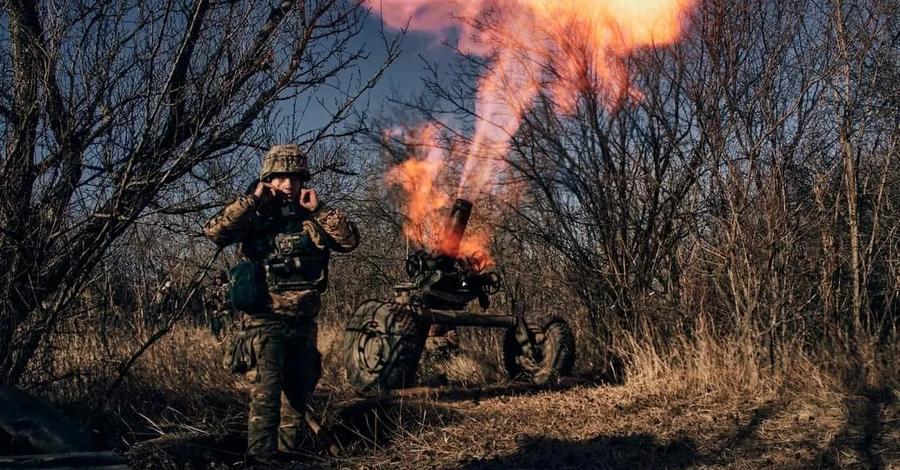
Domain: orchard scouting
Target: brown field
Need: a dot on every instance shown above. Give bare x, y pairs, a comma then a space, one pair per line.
708, 406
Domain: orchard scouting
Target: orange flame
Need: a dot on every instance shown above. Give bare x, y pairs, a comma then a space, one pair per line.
419, 179
565, 49
427, 192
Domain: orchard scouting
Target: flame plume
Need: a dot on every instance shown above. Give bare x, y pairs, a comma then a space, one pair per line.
564, 49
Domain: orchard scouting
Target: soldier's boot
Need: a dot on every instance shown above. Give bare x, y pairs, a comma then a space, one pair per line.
262, 460
261, 445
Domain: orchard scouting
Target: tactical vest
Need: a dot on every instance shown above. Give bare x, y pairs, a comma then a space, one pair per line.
293, 261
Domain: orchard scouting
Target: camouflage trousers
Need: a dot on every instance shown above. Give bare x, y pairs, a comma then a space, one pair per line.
288, 366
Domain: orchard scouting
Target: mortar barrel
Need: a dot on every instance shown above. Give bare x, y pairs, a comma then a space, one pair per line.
455, 227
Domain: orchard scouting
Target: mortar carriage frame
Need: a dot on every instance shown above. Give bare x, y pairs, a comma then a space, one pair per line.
384, 339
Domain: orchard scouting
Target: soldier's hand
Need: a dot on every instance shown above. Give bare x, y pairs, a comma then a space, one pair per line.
308, 199
264, 191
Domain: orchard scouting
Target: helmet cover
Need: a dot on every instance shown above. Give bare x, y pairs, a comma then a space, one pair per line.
284, 160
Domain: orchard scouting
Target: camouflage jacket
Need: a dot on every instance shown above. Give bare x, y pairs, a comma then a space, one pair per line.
255, 226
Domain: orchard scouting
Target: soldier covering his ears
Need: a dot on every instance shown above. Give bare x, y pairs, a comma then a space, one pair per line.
283, 226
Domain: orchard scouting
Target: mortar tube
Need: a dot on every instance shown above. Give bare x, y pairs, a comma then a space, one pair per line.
455, 227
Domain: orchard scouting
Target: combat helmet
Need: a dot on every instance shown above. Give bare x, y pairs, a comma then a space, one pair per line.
284, 160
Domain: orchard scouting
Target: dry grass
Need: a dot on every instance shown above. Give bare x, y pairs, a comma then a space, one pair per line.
709, 403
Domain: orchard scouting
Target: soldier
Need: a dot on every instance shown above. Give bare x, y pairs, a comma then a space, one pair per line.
163, 297
442, 337
164, 304
216, 303
283, 225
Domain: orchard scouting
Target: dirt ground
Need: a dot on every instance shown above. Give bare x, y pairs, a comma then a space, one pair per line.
574, 425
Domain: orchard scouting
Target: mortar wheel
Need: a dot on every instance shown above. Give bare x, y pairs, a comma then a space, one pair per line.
382, 345
552, 350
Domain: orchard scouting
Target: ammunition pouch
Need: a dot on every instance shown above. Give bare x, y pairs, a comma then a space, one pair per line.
239, 356
297, 273
297, 264
249, 292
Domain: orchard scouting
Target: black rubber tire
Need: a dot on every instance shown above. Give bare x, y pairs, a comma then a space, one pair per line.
554, 351
382, 345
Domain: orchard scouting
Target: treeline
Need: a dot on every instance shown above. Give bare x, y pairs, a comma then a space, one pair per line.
752, 194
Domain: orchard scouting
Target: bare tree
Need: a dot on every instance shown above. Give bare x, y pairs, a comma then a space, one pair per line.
864, 35
753, 188
112, 110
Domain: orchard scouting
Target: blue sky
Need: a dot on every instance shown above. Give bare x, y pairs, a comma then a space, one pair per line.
405, 75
